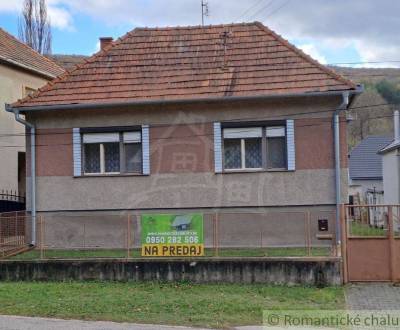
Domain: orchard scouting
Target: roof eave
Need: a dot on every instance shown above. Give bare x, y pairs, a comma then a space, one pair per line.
389, 148
27, 68
76, 106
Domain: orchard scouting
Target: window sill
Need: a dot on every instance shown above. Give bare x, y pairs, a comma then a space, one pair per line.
108, 175
283, 170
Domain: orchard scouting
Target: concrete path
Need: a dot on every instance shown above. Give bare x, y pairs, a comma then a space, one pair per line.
373, 297
38, 323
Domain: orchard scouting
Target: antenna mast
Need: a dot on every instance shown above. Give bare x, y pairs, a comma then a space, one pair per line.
205, 12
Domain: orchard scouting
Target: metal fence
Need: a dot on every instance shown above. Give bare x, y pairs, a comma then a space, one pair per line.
10, 201
13, 229
372, 220
371, 245
226, 234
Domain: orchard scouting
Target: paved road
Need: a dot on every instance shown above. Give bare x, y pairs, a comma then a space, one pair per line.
373, 297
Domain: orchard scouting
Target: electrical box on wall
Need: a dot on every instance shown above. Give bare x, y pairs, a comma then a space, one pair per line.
323, 225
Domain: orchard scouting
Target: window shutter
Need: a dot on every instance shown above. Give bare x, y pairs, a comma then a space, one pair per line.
217, 148
146, 149
291, 149
77, 153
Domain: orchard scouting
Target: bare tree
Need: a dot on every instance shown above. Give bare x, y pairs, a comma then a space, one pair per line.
34, 26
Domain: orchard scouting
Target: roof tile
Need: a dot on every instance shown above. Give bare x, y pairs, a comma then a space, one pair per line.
190, 62
17, 53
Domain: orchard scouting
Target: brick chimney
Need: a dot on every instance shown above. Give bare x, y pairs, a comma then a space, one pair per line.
105, 42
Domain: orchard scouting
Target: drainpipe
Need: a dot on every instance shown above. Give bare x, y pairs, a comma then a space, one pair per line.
336, 125
397, 140
33, 168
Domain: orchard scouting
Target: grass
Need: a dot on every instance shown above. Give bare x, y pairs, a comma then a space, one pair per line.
234, 252
206, 305
361, 229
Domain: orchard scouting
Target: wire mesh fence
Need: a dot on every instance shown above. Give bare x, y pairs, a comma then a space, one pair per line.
367, 220
13, 229
372, 220
223, 234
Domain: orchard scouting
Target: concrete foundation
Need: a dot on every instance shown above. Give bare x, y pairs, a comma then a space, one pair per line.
287, 271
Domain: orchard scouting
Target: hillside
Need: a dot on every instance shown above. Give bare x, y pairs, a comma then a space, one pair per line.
371, 113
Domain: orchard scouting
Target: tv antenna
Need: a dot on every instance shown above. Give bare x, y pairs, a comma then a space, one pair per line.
205, 12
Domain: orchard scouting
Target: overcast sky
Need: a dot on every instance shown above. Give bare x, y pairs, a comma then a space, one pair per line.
332, 31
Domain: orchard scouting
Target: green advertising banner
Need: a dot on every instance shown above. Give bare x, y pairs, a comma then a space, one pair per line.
172, 235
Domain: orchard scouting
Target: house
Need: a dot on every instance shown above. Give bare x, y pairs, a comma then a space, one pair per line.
391, 166
249, 121
182, 222
365, 171
67, 62
22, 71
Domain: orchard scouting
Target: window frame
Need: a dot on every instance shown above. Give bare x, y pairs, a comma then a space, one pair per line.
264, 146
122, 157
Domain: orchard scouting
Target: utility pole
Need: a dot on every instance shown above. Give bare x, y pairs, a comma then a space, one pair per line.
204, 11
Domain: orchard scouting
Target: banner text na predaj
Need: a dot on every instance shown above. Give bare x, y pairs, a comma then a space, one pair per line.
172, 235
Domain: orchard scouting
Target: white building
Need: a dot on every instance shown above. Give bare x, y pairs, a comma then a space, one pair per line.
391, 166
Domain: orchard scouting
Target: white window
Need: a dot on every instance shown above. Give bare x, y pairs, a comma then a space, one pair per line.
276, 147
243, 148
254, 148
112, 153
132, 152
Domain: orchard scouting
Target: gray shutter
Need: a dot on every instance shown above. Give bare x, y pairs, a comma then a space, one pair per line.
218, 147
291, 148
77, 151
146, 149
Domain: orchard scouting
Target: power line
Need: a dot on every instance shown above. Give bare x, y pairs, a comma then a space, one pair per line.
232, 119
328, 121
366, 62
261, 9
249, 9
278, 9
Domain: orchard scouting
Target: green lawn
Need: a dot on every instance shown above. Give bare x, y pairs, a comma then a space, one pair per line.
362, 229
221, 305
256, 252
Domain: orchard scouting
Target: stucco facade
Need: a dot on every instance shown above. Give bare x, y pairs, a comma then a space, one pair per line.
185, 131
13, 84
391, 176
176, 131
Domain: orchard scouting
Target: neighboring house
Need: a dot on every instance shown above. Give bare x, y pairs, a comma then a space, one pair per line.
67, 62
246, 117
391, 166
365, 171
22, 71
182, 222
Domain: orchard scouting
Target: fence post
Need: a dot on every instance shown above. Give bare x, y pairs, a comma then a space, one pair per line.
392, 253
41, 237
308, 233
16, 229
343, 220
84, 235
216, 234
128, 236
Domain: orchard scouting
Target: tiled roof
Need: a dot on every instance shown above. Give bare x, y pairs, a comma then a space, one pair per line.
17, 53
365, 162
188, 62
67, 62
